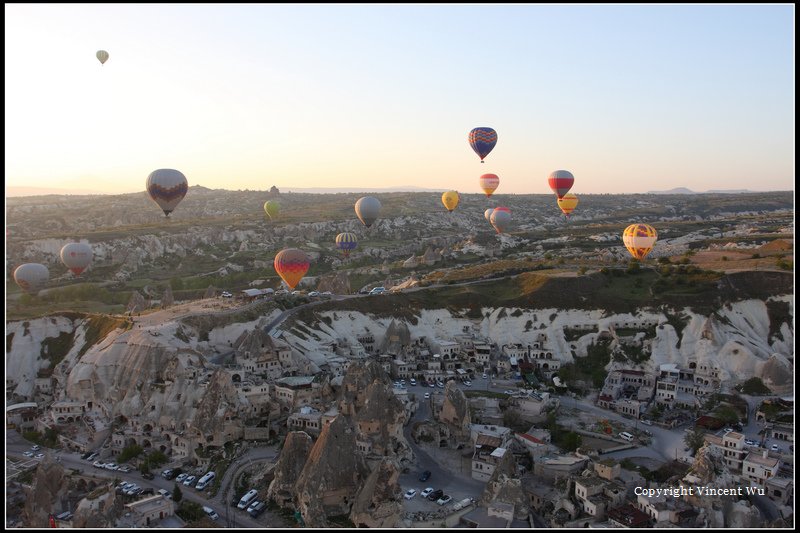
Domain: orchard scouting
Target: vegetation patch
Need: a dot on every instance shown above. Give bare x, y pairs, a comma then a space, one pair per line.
56, 348
754, 387
779, 313
99, 326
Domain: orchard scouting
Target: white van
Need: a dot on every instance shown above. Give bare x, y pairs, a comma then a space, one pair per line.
413, 382
212, 514
205, 480
247, 499
626, 436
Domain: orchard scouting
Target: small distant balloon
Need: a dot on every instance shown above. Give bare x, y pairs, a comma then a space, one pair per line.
501, 219
102, 56
568, 203
639, 239
31, 277
76, 256
450, 200
561, 182
489, 182
367, 209
482, 141
272, 208
346, 242
291, 265
167, 187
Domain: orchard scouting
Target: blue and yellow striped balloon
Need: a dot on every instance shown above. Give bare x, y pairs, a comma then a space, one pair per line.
346, 242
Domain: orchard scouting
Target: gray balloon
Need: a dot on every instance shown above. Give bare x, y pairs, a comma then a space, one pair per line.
31, 277
368, 209
501, 220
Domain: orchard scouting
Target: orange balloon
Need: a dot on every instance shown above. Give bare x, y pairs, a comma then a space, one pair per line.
291, 265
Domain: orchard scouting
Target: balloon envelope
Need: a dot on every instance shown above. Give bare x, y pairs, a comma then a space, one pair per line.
482, 141
500, 219
450, 200
368, 208
489, 183
31, 277
102, 55
488, 213
291, 265
639, 239
272, 208
76, 256
346, 242
568, 203
167, 187
561, 182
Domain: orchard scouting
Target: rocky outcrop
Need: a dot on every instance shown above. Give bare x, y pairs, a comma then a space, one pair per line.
220, 404
136, 303
333, 474
505, 486
48, 489
379, 502
396, 338
338, 283
168, 300
455, 413
99, 509
359, 376
380, 423
294, 454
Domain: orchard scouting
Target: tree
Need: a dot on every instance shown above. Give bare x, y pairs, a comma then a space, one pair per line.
727, 414
695, 439
177, 495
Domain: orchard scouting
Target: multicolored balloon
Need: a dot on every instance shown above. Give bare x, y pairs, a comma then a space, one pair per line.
561, 182
167, 187
367, 209
501, 219
346, 242
639, 239
102, 56
482, 141
568, 203
489, 182
291, 265
76, 256
31, 277
488, 213
272, 208
450, 200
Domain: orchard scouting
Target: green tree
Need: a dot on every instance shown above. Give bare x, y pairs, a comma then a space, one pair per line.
727, 414
571, 441
695, 439
177, 495
129, 452
754, 386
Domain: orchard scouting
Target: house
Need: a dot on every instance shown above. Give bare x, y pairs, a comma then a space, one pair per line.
149, 511
628, 516
732, 448
759, 467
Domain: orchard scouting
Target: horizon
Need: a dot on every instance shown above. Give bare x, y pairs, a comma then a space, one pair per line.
651, 97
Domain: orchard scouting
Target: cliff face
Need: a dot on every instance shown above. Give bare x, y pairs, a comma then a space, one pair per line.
379, 502
48, 489
294, 454
455, 413
332, 475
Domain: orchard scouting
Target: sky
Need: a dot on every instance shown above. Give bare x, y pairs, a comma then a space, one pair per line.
629, 98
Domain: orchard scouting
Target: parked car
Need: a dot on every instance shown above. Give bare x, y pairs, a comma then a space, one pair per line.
485, 376
189, 480
410, 493
427, 492
148, 475
212, 514
39, 456
35, 447
27, 453
427, 395
92, 456
312, 294
435, 495
378, 290
750, 442
727, 430
468, 383
646, 422
252, 505
425, 476
775, 448
124, 469
327, 294
168, 473
181, 477
165, 493
150, 490
432, 385
258, 509
444, 500
97, 464
111, 466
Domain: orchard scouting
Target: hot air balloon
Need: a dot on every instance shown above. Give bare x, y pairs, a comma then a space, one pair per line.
272, 208
450, 200
346, 242
482, 141
561, 182
568, 203
31, 277
488, 213
501, 219
102, 55
639, 239
76, 256
367, 209
167, 187
489, 183
291, 265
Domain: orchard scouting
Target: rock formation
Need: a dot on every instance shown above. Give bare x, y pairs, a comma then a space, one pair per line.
397, 336
294, 454
379, 502
338, 283
167, 300
99, 509
455, 413
505, 486
48, 489
136, 303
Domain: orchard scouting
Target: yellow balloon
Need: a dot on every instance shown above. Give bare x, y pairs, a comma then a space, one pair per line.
639, 239
450, 200
568, 203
